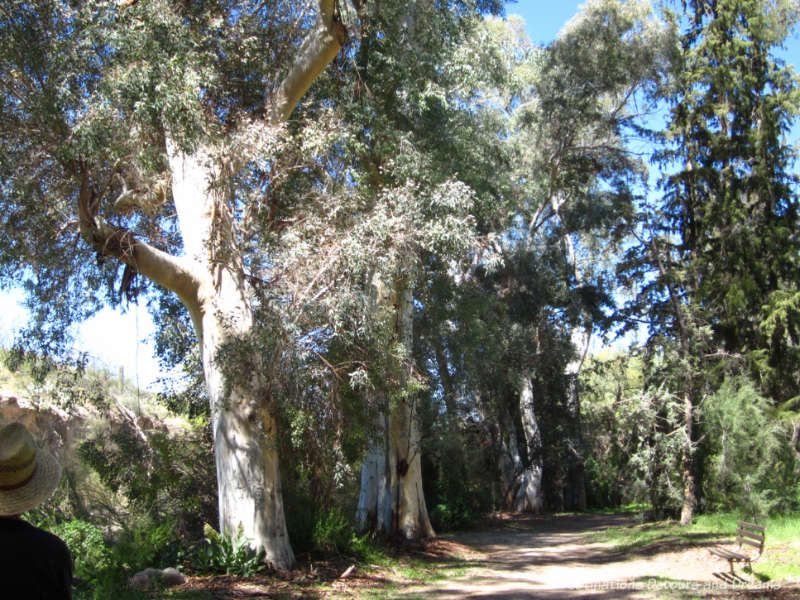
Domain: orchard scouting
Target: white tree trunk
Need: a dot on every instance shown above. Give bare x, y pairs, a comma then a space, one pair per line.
242, 417
374, 512
391, 500
526, 493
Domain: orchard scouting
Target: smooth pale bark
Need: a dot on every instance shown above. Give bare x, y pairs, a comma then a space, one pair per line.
209, 279
526, 493
391, 500
242, 419
374, 508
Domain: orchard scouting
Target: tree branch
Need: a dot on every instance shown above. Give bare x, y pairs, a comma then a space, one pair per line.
320, 47
160, 267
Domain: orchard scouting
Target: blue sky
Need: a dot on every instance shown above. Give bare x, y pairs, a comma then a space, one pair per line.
544, 19
117, 339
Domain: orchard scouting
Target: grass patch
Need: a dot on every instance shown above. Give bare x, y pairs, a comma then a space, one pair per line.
622, 510
781, 558
639, 538
780, 561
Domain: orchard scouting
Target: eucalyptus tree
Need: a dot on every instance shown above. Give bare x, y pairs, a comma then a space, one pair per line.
141, 142
720, 250
578, 177
414, 204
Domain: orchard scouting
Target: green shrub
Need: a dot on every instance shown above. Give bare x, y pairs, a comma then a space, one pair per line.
146, 544
750, 464
102, 571
222, 553
333, 532
447, 517
89, 552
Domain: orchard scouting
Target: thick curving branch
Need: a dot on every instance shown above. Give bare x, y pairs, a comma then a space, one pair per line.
320, 47
160, 267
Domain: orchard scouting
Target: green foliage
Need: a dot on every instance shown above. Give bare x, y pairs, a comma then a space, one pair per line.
162, 476
102, 569
89, 552
750, 466
461, 485
731, 193
223, 553
333, 533
636, 443
452, 517
147, 544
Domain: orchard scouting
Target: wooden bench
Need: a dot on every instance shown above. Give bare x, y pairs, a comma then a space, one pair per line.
747, 533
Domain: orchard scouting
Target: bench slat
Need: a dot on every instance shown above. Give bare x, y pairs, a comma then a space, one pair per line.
746, 533
751, 534
757, 545
729, 554
752, 526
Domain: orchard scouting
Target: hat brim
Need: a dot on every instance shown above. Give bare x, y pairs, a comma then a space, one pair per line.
40, 487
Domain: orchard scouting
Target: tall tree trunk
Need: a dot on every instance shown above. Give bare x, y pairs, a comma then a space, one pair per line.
687, 463
526, 494
374, 511
575, 494
242, 416
688, 457
391, 483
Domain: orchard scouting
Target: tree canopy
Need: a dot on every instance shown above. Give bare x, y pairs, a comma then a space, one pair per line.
380, 237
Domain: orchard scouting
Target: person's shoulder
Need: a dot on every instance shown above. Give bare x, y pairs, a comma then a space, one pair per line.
44, 537
54, 540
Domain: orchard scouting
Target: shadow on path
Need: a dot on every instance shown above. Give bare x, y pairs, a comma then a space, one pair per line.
551, 557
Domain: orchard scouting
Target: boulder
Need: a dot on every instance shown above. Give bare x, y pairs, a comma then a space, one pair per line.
152, 578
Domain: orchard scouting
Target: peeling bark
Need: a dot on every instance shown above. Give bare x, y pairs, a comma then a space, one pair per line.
391, 500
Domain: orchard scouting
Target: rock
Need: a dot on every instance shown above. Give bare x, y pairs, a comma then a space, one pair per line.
150, 578
171, 577
144, 580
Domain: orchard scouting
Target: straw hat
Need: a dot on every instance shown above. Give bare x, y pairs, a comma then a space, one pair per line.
28, 476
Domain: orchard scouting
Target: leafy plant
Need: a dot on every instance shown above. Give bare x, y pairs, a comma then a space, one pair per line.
223, 553
88, 548
333, 532
147, 544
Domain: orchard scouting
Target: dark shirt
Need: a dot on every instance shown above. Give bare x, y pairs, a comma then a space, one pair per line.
34, 564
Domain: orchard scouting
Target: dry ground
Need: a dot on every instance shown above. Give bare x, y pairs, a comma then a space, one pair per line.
526, 557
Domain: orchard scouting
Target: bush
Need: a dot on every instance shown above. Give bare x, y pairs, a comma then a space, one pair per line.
89, 552
101, 571
333, 532
146, 544
750, 463
446, 517
231, 555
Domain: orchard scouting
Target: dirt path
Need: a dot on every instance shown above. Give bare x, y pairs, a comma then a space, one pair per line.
555, 558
